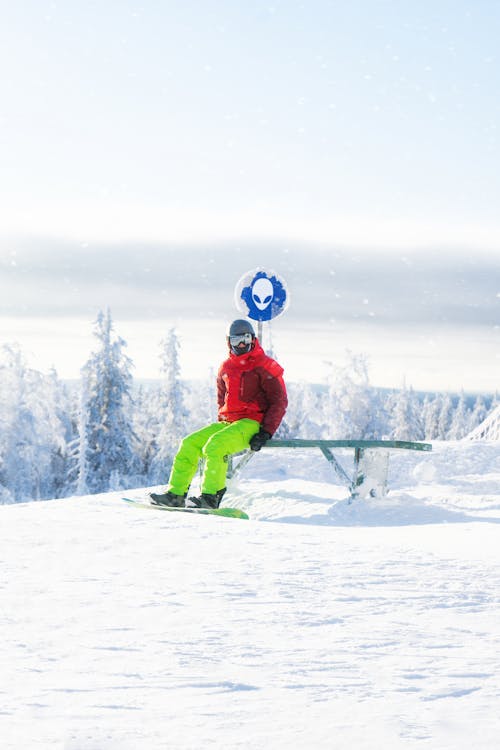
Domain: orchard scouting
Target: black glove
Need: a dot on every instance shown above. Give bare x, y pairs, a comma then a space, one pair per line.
259, 440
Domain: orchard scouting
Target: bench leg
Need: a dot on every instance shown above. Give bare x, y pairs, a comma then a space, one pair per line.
371, 468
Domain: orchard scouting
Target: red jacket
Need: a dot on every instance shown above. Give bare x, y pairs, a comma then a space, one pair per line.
250, 386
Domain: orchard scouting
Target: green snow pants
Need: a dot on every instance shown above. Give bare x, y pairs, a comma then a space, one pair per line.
213, 444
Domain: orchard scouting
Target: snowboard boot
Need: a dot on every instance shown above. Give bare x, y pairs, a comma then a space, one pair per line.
206, 500
168, 498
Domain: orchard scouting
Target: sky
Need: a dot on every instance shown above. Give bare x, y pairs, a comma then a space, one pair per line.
226, 135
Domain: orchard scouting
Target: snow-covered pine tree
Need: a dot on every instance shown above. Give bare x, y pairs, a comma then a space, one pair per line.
170, 409
33, 430
78, 448
53, 411
303, 415
460, 420
404, 415
107, 448
445, 417
146, 427
478, 414
18, 469
349, 410
202, 402
430, 417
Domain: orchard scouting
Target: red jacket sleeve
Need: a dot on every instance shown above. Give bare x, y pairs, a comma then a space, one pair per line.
221, 389
275, 390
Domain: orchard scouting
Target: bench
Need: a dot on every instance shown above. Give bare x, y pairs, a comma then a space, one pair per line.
371, 461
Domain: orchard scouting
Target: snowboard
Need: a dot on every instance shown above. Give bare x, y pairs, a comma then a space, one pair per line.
227, 512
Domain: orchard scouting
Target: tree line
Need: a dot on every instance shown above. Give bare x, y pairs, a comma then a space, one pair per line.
110, 434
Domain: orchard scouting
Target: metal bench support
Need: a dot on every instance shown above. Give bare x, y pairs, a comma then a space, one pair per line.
371, 461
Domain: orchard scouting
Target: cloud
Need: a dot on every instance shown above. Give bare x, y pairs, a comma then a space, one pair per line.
145, 280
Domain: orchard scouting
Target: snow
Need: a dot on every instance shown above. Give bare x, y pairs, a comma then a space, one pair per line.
317, 623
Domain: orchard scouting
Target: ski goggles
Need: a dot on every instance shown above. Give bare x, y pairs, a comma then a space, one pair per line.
241, 338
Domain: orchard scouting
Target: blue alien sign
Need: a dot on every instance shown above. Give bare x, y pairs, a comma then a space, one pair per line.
261, 295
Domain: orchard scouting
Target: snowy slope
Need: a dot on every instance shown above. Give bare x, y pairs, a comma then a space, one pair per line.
315, 624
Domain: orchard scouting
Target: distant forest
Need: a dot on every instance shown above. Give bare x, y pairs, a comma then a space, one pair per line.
111, 433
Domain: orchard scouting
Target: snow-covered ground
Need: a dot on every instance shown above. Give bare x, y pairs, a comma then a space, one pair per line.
316, 624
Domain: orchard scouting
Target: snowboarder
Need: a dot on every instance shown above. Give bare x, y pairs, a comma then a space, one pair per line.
252, 400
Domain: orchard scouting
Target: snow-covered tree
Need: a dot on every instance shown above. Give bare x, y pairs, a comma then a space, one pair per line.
78, 448
18, 468
34, 431
478, 414
430, 417
170, 409
54, 413
202, 402
304, 414
405, 415
445, 416
460, 420
146, 427
107, 439
349, 412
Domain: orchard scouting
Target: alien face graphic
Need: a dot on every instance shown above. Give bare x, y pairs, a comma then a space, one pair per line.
262, 293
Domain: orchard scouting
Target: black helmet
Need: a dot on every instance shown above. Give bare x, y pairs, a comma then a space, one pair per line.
240, 337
